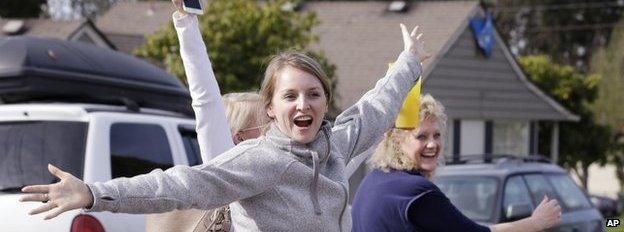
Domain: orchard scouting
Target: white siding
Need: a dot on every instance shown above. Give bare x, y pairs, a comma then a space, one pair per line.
472, 138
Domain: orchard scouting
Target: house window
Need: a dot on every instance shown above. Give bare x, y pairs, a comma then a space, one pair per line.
472, 137
510, 137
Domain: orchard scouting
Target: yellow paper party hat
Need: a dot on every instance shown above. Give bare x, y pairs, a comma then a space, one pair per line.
408, 117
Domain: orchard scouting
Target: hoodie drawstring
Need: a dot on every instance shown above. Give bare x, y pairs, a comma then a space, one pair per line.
316, 166
314, 184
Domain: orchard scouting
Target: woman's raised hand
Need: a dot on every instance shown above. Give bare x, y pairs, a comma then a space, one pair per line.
67, 194
547, 214
413, 43
178, 5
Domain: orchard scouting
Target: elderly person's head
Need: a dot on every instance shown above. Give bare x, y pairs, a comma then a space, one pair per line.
296, 94
416, 149
245, 115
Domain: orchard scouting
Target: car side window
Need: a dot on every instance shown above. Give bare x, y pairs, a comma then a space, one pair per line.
570, 194
191, 146
138, 149
516, 192
539, 187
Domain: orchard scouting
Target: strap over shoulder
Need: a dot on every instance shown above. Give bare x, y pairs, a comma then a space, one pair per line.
216, 220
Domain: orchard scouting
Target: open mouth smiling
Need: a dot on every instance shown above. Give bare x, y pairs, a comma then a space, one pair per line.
428, 155
303, 121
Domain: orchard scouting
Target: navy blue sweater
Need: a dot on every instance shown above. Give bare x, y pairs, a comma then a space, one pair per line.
405, 201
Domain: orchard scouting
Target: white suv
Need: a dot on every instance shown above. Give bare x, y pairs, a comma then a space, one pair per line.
92, 142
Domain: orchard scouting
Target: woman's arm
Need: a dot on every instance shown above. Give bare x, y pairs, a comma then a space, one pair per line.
231, 176
362, 125
435, 212
546, 215
213, 133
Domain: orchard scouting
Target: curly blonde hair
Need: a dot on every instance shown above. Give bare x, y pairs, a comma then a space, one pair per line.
389, 155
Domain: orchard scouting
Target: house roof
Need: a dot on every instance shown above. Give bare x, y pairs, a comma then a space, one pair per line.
48, 28
360, 38
126, 43
474, 87
127, 23
45, 27
136, 18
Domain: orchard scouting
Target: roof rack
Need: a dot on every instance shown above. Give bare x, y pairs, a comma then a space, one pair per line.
94, 107
495, 159
39, 69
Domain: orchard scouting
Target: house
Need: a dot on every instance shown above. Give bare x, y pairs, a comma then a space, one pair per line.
128, 23
83, 31
124, 27
492, 107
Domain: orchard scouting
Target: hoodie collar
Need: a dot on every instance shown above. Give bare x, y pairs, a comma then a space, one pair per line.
316, 151
320, 145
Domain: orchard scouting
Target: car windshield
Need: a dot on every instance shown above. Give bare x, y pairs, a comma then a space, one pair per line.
474, 196
26, 148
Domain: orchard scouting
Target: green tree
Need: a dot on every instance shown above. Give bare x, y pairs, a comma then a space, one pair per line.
20, 8
568, 31
241, 36
581, 143
609, 107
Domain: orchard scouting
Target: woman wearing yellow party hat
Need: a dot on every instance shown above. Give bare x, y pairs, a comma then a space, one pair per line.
398, 194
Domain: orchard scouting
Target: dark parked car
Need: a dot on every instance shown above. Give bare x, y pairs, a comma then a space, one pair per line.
610, 208
494, 189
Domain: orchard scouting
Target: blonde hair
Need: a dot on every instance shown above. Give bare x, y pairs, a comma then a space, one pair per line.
296, 60
389, 155
241, 109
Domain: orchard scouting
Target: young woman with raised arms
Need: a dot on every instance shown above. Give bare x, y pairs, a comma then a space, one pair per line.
290, 179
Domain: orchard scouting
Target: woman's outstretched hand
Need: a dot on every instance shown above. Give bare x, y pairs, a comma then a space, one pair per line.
413, 43
67, 194
547, 214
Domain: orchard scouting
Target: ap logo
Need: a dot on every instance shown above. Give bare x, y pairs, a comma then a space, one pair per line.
613, 222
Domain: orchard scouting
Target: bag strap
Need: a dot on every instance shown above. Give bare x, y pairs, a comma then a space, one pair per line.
217, 220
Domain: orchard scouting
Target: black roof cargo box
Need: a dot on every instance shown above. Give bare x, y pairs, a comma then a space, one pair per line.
37, 69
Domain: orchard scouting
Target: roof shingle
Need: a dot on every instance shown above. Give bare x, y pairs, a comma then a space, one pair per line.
45, 27
351, 37
136, 18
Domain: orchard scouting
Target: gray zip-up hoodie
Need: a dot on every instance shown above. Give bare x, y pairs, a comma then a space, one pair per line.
276, 184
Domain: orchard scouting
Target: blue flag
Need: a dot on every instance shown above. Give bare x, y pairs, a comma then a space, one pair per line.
484, 33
